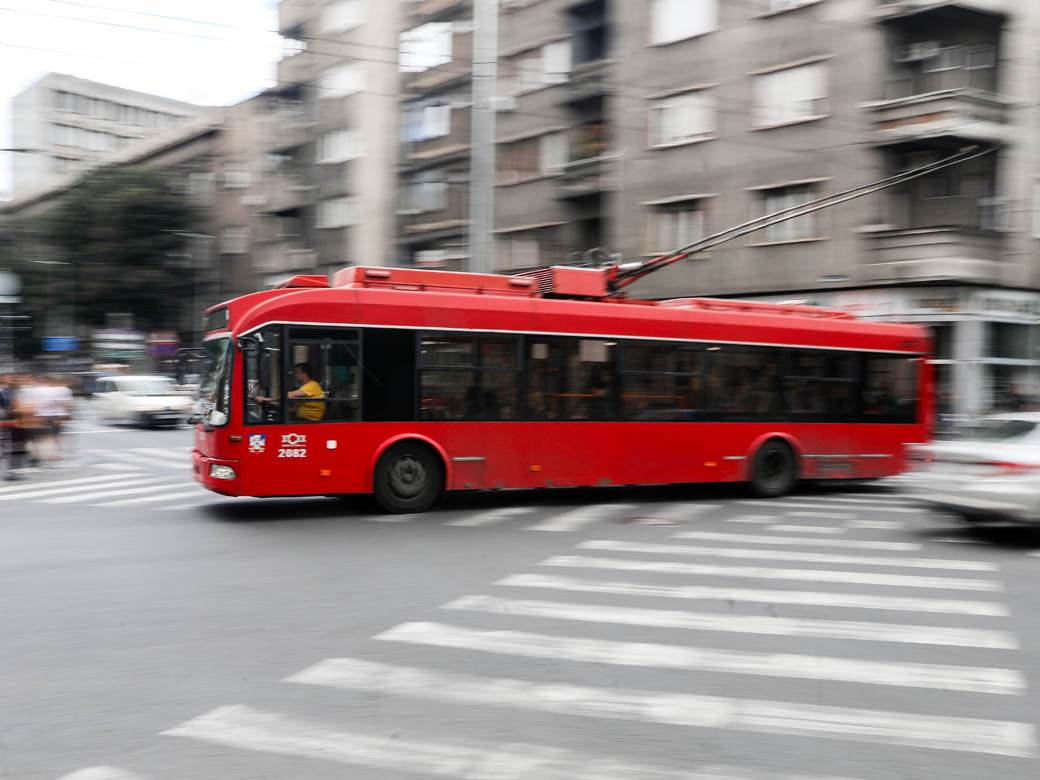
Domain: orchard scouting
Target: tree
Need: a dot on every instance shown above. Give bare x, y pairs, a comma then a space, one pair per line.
117, 228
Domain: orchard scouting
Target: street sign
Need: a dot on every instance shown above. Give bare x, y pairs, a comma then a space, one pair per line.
60, 343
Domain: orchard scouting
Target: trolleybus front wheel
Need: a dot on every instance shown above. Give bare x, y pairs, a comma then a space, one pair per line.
409, 477
774, 469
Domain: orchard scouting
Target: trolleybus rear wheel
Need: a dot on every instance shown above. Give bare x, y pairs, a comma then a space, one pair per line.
409, 477
774, 469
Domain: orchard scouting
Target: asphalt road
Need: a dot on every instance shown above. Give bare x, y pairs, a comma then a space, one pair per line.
152, 631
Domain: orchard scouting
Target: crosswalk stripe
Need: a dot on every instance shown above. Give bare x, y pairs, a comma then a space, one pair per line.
786, 555
801, 598
758, 572
576, 519
677, 512
821, 515
114, 480
643, 654
492, 516
249, 729
789, 541
57, 483
801, 503
115, 466
878, 501
879, 525
177, 494
741, 624
679, 709
101, 773
174, 456
138, 486
805, 529
871, 496
752, 519
143, 458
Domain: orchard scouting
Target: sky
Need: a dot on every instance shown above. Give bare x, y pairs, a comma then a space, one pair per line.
213, 52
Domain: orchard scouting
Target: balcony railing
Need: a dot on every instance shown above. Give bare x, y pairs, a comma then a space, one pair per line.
589, 80
958, 113
287, 192
589, 176
460, 65
939, 253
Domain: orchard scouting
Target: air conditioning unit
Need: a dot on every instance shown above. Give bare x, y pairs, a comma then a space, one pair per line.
917, 52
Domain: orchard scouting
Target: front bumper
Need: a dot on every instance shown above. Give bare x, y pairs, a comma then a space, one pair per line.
201, 469
163, 417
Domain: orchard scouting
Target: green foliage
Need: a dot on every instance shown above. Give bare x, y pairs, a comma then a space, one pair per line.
117, 228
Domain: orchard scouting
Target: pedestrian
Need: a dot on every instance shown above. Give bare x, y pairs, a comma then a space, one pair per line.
6, 420
19, 424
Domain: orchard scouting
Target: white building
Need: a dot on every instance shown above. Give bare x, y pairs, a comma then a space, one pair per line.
63, 125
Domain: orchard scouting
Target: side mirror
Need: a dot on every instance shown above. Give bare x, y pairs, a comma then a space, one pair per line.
216, 419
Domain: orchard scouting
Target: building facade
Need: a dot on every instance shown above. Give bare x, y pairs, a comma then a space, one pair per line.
64, 125
643, 126
330, 164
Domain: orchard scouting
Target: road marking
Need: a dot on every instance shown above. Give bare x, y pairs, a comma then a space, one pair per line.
114, 466
140, 486
879, 525
801, 667
576, 519
752, 519
757, 572
741, 624
187, 492
801, 598
57, 483
787, 555
249, 729
150, 460
802, 504
98, 482
1034, 554
101, 773
821, 515
953, 540
806, 529
679, 709
492, 516
391, 519
871, 497
678, 512
880, 500
178, 458
714, 536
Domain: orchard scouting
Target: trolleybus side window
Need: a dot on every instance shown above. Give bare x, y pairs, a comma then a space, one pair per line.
322, 376
746, 382
822, 385
468, 377
890, 389
571, 379
663, 381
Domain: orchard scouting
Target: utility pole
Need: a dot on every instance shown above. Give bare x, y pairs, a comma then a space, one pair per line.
482, 158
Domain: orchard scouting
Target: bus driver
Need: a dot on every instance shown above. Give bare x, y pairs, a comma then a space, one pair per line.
307, 388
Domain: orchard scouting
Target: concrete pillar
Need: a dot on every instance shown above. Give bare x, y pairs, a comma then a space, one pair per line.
971, 395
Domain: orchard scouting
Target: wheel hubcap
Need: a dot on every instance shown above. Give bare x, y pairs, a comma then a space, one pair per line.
407, 477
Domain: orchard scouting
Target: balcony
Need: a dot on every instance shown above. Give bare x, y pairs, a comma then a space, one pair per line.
939, 253
954, 113
283, 257
458, 68
448, 220
589, 81
427, 9
299, 68
288, 129
455, 142
590, 176
293, 14
286, 192
894, 9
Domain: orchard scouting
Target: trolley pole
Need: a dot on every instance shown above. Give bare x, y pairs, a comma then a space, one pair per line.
482, 159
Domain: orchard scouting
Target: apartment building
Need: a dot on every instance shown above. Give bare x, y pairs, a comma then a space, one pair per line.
436, 58
642, 126
65, 125
329, 168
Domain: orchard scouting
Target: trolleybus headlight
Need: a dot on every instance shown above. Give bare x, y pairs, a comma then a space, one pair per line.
217, 471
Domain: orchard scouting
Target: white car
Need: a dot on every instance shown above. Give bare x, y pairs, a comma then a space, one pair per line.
993, 472
141, 400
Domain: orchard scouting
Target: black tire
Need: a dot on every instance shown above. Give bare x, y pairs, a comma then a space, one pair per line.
774, 470
409, 477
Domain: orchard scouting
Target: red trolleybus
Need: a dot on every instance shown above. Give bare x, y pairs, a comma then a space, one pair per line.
406, 383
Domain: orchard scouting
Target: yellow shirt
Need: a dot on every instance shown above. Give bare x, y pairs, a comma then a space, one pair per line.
311, 410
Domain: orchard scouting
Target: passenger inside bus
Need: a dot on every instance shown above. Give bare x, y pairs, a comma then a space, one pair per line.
310, 410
